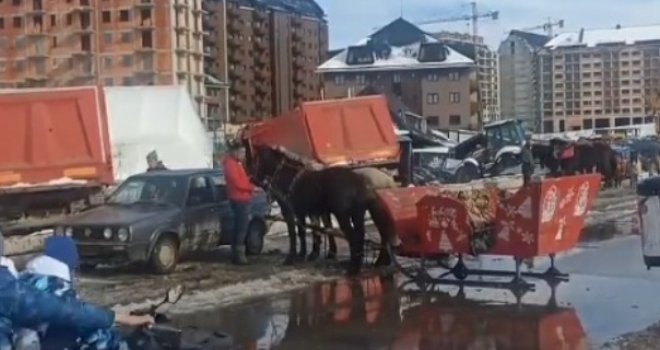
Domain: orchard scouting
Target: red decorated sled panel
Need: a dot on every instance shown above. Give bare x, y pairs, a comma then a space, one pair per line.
542, 218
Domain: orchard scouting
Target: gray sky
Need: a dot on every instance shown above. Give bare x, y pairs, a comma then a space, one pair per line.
351, 20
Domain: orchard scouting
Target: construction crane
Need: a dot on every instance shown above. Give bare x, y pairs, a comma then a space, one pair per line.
474, 17
547, 26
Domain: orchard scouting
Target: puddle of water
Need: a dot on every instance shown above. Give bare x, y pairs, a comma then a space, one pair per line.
375, 313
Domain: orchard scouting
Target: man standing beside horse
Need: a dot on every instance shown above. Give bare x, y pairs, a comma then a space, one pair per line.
239, 191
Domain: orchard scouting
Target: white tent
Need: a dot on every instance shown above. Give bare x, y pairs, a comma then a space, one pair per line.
160, 118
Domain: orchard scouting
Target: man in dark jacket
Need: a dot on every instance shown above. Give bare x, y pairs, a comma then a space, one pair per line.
239, 190
153, 163
527, 161
24, 306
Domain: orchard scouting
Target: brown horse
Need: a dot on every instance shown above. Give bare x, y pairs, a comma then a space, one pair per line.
306, 193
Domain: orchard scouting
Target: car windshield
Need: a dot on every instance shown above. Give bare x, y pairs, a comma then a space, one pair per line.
166, 190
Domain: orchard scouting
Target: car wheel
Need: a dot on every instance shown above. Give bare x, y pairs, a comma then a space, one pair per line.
254, 242
467, 173
165, 255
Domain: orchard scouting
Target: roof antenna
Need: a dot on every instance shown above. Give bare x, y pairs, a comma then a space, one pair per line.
401, 8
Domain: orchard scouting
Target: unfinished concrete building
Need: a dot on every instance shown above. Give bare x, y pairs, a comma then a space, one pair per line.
487, 71
121, 42
267, 51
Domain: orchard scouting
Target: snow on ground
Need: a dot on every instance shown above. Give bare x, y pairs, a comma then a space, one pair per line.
240, 292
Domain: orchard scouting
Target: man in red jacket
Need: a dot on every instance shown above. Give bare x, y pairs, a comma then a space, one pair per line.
239, 190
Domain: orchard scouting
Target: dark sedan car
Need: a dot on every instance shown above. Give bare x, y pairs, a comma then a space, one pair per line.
161, 216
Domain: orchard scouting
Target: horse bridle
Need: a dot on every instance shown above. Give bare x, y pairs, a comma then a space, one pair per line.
268, 180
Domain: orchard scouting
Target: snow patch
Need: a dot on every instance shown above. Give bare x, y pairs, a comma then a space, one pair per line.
236, 293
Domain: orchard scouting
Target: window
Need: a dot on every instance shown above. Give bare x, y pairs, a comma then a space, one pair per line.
433, 121
127, 60
454, 76
106, 16
432, 77
339, 79
17, 22
69, 19
53, 20
2, 23
432, 99
454, 97
454, 120
126, 37
127, 81
200, 192
396, 78
361, 79
107, 62
108, 81
124, 15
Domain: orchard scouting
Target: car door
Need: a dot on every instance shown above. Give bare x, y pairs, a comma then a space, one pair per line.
202, 222
225, 213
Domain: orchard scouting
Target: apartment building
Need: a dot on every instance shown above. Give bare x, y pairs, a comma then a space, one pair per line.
519, 77
487, 72
600, 78
428, 77
268, 52
123, 42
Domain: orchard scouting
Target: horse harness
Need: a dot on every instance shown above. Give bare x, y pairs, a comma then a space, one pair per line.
270, 179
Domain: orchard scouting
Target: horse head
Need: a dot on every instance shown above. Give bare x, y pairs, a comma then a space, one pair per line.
264, 162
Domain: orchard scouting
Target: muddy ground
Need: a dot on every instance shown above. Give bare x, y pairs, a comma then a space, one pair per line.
213, 283
611, 215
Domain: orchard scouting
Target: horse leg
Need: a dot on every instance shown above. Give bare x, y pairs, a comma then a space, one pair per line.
346, 227
359, 232
287, 213
332, 244
302, 233
316, 243
387, 238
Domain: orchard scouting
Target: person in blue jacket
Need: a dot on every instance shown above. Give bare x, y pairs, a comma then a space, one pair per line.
24, 306
53, 272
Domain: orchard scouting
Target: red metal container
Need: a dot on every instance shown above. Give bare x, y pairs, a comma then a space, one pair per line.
53, 134
352, 131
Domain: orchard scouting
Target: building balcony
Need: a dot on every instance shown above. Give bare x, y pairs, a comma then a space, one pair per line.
297, 35
299, 77
36, 32
233, 12
145, 4
236, 57
234, 44
235, 27
146, 25
260, 29
262, 59
180, 5
199, 11
181, 28
81, 6
146, 50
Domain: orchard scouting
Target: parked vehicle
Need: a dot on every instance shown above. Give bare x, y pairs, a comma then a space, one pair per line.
64, 147
489, 153
161, 216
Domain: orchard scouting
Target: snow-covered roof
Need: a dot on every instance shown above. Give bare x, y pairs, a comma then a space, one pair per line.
401, 58
399, 45
594, 37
